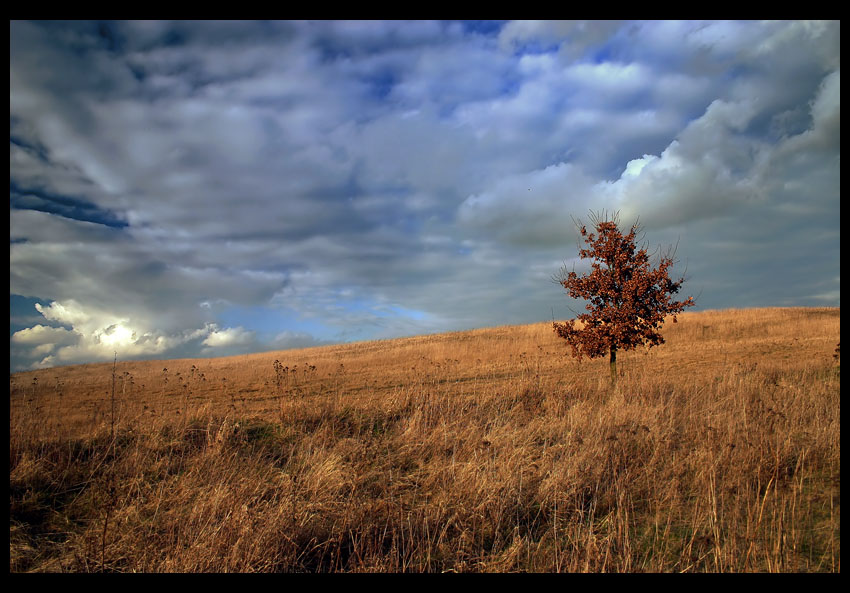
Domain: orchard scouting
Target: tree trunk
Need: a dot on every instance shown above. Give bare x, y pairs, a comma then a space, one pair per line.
613, 366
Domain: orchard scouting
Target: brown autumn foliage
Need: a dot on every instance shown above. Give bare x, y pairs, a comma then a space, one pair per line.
628, 298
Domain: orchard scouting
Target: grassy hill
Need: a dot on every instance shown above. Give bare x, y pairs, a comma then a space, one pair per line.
485, 450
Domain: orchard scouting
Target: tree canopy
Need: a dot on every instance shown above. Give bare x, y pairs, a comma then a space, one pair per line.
628, 299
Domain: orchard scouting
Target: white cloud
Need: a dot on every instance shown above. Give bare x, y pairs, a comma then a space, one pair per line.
712, 169
100, 335
40, 341
531, 208
230, 336
44, 334
824, 134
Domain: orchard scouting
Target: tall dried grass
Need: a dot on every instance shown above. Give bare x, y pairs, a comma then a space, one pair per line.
488, 450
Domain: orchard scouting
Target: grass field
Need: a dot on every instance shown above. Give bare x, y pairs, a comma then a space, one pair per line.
478, 451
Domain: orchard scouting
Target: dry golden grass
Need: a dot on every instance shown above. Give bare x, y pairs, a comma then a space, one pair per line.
478, 451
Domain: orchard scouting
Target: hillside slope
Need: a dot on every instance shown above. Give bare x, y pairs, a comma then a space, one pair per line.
485, 450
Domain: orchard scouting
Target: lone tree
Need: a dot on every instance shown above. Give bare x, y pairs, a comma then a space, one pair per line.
628, 299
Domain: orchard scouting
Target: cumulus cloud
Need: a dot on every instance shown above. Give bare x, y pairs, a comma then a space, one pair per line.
709, 170
713, 167
98, 335
39, 334
824, 134
531, 208
44, 340
703, 173
230, 336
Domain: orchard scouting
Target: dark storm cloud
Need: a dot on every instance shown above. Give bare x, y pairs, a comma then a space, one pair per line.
21, 198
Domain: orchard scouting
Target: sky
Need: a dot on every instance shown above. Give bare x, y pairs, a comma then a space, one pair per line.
200, 188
